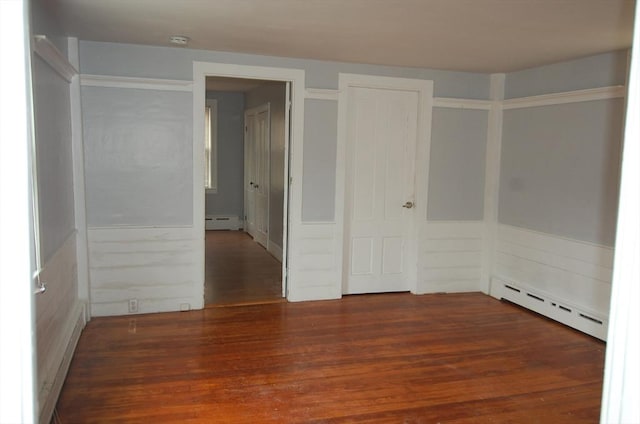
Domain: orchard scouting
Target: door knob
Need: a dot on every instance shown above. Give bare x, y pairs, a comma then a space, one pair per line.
408, 205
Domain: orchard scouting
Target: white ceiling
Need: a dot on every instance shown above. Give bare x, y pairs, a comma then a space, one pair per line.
465, 35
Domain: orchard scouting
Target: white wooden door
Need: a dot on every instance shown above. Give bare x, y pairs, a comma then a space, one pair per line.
257, 171
382, 130
249, 173
263, 171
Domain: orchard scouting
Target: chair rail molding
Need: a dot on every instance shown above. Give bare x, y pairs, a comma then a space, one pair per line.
113, 81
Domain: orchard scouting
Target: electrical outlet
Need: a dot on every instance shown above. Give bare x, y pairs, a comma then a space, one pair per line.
133, 305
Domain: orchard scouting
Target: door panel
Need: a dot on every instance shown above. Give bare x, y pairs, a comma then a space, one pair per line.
262, 143
362, 256
381, 151
250, 173
392, 255
257, 171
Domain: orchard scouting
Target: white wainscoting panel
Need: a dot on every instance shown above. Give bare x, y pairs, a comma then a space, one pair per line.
60, 319
567, 280
450, 256
155, 266
313, 266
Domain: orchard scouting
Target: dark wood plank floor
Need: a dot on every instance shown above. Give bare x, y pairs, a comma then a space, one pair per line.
239, 271
390, 358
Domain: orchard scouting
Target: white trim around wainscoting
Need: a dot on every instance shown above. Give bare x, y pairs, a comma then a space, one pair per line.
48, 52
576, 96
451, 103
113, 81
321, 94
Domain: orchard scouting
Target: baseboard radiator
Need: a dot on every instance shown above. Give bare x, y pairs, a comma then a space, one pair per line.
550, 306
222, 222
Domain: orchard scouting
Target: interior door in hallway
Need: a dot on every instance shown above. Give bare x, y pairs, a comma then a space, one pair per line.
382, 130
257, 170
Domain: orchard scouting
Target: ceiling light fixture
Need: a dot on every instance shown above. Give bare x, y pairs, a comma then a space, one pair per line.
179, 40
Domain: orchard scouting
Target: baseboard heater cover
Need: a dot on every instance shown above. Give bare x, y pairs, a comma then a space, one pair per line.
549, 306
222, 222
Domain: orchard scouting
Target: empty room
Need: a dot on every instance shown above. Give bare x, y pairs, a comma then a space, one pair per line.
250, 211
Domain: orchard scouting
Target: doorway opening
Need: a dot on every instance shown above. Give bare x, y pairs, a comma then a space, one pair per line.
246, 134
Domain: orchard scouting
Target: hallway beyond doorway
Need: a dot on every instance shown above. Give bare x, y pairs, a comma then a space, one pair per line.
239, 271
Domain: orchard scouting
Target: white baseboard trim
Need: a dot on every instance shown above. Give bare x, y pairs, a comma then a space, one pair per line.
222, 222
275, 250
52, 386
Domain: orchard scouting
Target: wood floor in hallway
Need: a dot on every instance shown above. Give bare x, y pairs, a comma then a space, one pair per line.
239, 271
388, 358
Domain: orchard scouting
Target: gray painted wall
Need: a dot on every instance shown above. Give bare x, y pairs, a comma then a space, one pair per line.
229, 200
274, 94
319, 160
177, 63
54, 157
560, 169
457, 164
138, 157
602, 70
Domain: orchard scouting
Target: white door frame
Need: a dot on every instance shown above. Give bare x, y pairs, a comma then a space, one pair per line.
18, 394
424, 88
292, 213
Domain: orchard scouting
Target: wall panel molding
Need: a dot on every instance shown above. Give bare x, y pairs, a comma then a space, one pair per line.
587, 95
46, 50
451, 103
321, 94
113, 81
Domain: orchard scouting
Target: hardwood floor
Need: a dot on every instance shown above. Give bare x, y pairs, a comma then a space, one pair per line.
389, 358
239, 271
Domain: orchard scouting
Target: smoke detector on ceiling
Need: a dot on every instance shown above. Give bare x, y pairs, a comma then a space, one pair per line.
179, 40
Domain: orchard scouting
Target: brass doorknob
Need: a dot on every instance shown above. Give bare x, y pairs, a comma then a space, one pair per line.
408, 205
